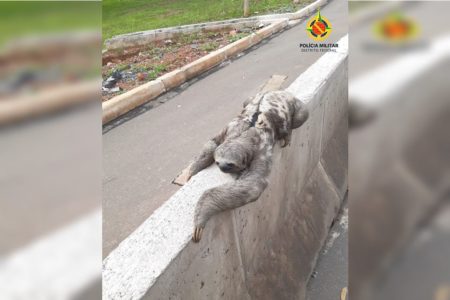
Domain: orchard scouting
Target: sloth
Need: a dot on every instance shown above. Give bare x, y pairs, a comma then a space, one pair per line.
244, 148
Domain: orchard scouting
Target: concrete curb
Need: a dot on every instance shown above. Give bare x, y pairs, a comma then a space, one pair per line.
19, 108
295, 15
125, 102
136, 39
308, 9
241, 255
122, 104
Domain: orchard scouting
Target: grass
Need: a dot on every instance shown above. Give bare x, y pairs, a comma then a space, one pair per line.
124, 16
209, 46
157, 70
23, 18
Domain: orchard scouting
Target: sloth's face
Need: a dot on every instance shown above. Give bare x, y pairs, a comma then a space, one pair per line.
231, 157
235, 154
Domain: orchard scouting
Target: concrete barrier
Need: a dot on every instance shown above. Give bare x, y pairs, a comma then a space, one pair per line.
400, 166
266, 249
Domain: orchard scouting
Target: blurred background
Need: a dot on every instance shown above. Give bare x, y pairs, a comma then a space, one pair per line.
50, 150
399, 145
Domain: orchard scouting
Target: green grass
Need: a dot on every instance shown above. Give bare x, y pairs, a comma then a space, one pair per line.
23, 18
157, 70
124, 16
210, 46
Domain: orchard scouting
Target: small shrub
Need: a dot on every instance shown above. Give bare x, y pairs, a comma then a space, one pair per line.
152, 75
160, 68
157, 71
210, 46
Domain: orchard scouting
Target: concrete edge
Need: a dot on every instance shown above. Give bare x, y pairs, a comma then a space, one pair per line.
309, 83
140, 38
390, 78
136, 264
127, 101
131, 268
20, 108
59, 265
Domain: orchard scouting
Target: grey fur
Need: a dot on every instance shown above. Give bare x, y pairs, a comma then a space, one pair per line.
245, 148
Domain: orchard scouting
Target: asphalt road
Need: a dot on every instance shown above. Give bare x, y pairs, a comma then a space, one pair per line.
331, 273
422, 269
146, 150
49, 174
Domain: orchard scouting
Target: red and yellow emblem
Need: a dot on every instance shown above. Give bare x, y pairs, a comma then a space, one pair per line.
396, 27
319, 28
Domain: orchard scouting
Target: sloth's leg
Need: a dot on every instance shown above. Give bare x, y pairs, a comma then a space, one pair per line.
285, 133
224, 197
299, 116
300, 113
286, 140
231, 195
206, 157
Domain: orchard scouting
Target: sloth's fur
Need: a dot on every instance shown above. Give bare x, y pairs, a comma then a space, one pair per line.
245, 148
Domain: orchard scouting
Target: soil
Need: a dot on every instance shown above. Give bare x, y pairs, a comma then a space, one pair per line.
125, 70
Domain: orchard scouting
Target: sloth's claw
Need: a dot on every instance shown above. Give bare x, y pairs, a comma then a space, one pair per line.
197, 234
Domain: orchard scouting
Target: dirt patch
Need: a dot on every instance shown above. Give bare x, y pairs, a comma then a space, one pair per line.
127, 69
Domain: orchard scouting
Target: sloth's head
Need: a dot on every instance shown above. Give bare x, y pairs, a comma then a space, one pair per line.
236, 153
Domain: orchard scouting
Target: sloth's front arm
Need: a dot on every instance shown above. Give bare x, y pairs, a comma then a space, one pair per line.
206, 157
231, 195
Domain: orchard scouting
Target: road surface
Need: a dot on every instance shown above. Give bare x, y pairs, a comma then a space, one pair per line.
143, 152
330, 275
